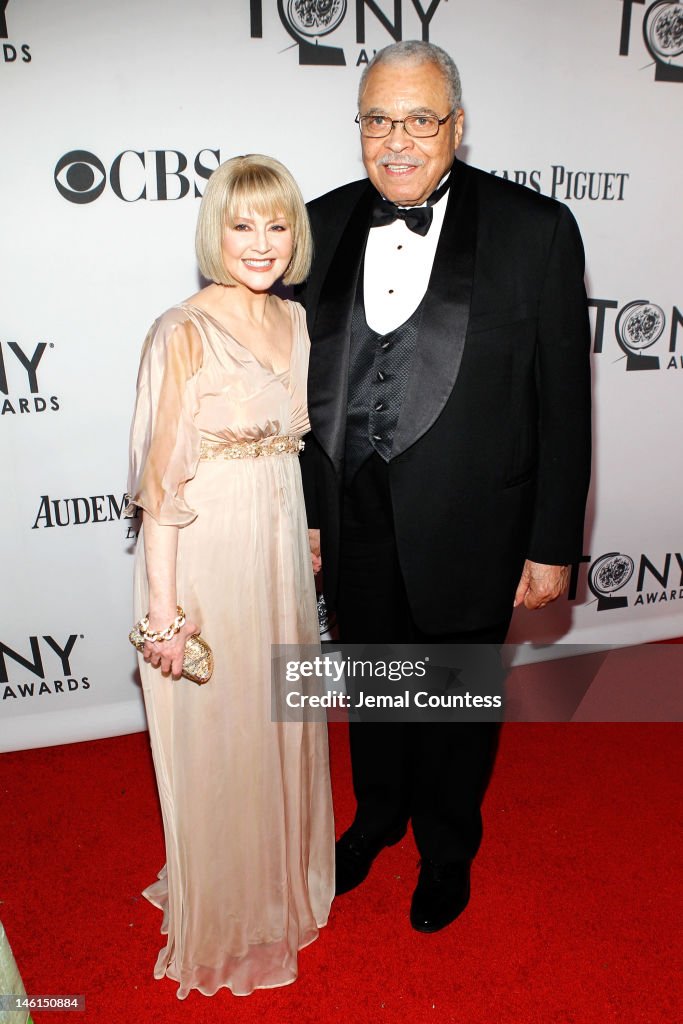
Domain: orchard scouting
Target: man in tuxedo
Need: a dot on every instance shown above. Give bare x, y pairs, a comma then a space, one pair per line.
448, 464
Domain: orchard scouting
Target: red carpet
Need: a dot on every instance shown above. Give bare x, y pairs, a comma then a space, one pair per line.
572, 919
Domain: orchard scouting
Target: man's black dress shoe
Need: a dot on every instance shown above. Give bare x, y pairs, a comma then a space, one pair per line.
354, 854
442, 893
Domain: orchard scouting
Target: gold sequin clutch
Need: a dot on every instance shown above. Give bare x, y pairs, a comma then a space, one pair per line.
197, 659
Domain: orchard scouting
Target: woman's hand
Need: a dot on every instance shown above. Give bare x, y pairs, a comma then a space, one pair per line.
161, 549
168, 654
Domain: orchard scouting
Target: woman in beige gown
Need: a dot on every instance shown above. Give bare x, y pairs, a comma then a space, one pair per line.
221, 407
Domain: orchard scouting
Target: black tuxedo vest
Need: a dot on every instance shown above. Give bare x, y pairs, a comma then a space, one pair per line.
379, 368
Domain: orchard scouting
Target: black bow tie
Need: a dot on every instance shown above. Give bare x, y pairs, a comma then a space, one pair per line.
417, 218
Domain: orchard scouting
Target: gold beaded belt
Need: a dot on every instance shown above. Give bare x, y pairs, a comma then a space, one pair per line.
278, 445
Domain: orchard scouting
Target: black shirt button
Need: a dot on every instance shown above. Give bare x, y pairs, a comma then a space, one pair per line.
380, 375
385, 344
379, 406
376, 437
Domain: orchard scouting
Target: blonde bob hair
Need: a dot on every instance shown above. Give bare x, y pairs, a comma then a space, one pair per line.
246, 184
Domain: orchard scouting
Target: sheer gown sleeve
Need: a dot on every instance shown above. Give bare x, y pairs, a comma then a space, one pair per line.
164, 440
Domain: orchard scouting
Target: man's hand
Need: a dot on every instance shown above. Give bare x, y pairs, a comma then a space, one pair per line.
541, 584
314, 544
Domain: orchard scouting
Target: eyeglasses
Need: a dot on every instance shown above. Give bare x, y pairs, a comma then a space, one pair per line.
420, 126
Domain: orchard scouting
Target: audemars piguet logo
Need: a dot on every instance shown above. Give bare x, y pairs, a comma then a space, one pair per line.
309, 22
569, 184
662, 34
88, 510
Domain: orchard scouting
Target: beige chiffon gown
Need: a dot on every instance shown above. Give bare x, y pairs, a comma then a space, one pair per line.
246, 803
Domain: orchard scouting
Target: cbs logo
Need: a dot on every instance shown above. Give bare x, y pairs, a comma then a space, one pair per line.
157, 175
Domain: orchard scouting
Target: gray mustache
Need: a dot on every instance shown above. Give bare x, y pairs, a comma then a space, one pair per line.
384, 160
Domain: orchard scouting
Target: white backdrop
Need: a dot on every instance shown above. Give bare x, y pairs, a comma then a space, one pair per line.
100, 103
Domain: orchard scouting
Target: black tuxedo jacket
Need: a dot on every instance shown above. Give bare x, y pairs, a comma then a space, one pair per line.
491, 455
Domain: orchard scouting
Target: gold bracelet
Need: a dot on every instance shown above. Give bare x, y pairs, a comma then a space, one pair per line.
155, 636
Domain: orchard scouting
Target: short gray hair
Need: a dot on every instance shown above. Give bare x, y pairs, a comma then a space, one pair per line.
415, 51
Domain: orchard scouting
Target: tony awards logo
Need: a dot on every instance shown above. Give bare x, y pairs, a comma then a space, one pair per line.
307, 21
311, 23
607, 575
11, 52
18, 373
662, 35
639, 325
659, 579
315, 17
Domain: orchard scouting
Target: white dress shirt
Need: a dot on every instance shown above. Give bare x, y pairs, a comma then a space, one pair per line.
398, 265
